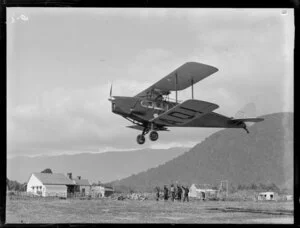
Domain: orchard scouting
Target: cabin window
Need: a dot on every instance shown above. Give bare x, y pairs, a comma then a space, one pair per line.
147, 104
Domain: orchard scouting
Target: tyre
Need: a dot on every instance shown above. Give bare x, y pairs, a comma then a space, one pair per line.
153, 136
140, 139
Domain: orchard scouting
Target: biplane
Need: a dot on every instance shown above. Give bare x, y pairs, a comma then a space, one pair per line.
152, 110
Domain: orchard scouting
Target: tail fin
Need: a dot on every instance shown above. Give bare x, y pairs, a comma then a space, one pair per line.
248, 115
249, 110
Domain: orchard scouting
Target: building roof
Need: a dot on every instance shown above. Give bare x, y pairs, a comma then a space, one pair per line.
53, 178
267, 193
81, 181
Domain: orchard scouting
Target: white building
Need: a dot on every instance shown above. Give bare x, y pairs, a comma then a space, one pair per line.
101, 191
49, 184
266, 196
289, 197
199, 192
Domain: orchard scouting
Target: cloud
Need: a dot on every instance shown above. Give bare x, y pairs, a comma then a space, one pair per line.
68, 118
251, 48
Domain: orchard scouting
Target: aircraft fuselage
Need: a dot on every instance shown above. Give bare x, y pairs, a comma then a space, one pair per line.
141, 110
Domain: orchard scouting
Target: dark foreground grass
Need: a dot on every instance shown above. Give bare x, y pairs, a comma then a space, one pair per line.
149, 211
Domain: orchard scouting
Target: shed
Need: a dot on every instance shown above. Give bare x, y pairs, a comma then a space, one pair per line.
49, 184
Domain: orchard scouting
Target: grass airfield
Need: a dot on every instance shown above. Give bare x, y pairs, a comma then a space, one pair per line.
149, 211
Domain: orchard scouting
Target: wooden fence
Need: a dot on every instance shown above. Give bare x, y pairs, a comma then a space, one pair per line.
50, 195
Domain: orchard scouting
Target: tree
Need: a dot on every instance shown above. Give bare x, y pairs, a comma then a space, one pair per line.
16, 186
47, 171
253, 186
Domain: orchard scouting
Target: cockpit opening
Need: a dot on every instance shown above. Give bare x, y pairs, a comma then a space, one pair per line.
159, 105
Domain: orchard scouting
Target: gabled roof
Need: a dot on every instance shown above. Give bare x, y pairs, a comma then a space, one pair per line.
53, 178
81, 181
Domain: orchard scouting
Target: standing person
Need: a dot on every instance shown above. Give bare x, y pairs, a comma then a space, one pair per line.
179, 192
172, 192
186, 193
166, 193
203, 195
157, 193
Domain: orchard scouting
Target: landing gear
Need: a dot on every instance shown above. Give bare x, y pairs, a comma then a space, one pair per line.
140, 139
153, 136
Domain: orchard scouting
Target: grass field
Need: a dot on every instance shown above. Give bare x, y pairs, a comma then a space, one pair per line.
148, 211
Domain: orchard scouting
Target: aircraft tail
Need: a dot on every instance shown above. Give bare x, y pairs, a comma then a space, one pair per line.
248, 115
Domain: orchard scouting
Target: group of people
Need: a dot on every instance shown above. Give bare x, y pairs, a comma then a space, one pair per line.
176, 193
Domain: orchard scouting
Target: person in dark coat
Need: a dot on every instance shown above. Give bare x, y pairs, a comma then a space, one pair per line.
157, 193
203, 195
166, 193
186, 193
179, 192
172, 192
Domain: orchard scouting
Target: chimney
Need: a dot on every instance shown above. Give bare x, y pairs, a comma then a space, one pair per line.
69, 175
79, 177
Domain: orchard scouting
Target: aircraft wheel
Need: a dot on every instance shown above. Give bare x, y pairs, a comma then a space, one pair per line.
153, 136
140, 139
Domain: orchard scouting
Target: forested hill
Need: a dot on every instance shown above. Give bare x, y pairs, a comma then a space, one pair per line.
263, 156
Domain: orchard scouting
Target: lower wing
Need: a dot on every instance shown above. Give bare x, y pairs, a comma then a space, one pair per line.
184, 113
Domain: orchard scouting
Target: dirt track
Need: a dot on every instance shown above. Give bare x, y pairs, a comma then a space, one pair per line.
148, 211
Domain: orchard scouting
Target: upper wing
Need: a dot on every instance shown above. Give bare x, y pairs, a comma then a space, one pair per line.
188, 74
184, 113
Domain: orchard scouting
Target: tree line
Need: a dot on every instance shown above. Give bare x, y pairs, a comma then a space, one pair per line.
17, 186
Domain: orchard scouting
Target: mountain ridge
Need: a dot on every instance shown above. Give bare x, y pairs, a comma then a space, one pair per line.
231, 155
106, 166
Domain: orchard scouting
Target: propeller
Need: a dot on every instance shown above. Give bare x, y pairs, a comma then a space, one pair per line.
111, 98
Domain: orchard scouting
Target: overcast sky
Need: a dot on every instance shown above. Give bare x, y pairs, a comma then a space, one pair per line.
60, 63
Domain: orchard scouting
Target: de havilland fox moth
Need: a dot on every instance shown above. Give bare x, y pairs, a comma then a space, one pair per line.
152, 110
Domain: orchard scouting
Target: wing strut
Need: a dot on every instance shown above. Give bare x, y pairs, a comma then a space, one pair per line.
176, 78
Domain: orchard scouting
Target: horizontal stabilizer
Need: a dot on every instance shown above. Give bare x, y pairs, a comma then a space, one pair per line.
255, 120
248, 121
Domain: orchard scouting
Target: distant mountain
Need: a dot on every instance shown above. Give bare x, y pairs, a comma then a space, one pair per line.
102, 167
263, 156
